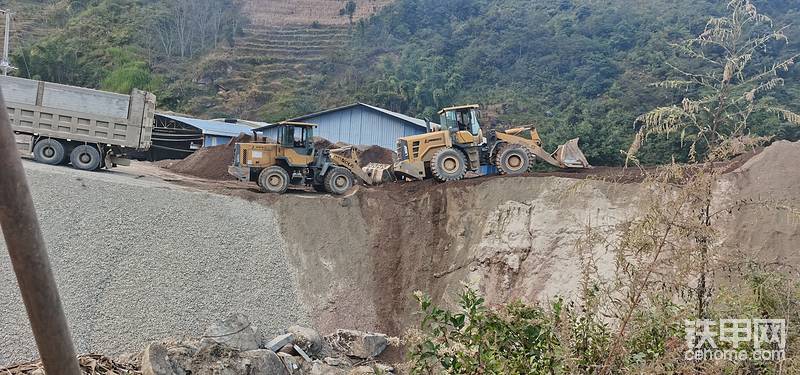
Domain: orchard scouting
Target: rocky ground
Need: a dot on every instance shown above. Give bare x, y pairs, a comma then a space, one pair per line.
234, 346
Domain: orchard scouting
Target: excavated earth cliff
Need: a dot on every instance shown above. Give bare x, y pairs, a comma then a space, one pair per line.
360, 258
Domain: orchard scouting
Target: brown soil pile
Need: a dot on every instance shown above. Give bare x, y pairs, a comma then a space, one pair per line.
376, 154
761, 197
210, 162
322, 143
366, 154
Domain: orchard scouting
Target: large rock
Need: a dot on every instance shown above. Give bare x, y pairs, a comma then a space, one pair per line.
279, 342
180, 353
155, 361
220, 359
295, 365
236, 331
307, 339
262, 361
319, 368
359, 344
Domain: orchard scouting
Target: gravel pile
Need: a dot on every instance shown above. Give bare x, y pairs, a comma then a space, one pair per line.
138, 261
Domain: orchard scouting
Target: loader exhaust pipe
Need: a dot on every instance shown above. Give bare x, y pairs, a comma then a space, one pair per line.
30, 261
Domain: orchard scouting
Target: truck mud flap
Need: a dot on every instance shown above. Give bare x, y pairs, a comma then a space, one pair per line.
116, 160
24, 144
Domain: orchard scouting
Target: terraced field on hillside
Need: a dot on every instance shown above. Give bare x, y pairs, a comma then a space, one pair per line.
271, 71
298, 12
267, 65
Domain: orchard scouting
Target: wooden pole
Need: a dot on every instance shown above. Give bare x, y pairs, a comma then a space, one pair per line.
30, 261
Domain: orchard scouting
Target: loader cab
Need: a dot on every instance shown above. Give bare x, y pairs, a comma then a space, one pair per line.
463, 123
297, 136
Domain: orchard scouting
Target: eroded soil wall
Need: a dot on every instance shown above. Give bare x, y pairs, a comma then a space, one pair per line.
360, 258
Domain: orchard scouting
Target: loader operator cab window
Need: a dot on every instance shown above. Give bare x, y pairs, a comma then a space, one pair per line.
296, 136
465, 119
462, 118
449, 121
474, 124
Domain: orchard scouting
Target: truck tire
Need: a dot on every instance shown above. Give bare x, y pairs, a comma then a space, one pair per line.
338, 180
85, 157
49, 151
274, 180
514, 159
448, 165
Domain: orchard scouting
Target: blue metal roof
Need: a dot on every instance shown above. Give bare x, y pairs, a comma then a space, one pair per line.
413, 120
212, 127
408, 119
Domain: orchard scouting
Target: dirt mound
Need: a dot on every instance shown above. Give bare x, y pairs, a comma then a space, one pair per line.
209, 162
764, 191
376, 154
322, 143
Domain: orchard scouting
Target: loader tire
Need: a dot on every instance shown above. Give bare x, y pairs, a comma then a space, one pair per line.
338, 180
319, 188
514, 159
49, 151
273, 180
448, 164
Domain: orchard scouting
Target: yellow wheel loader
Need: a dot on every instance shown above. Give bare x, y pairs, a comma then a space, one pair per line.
457, 145
293, 160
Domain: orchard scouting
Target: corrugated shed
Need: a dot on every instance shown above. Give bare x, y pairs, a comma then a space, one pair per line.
212, 127
360, 124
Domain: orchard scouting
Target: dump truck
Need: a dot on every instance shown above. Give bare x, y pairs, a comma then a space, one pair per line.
89, 129
457, 145
293, 160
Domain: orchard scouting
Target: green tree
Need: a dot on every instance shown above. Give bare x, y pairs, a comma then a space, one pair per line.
729, 73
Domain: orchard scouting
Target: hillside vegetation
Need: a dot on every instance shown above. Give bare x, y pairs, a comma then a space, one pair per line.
575, 68
117, 45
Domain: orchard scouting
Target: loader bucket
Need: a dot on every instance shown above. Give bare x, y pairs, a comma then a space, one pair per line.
569, 155
379, 173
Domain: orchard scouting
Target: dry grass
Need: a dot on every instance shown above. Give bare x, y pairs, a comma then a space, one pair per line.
305, 12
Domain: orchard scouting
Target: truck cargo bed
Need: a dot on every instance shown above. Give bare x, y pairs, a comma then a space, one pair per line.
44, 109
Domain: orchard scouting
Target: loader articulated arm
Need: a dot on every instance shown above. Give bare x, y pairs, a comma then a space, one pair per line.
566, 156
347, 157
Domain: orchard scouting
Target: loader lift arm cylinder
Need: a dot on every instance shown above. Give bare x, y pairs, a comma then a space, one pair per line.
30, 261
